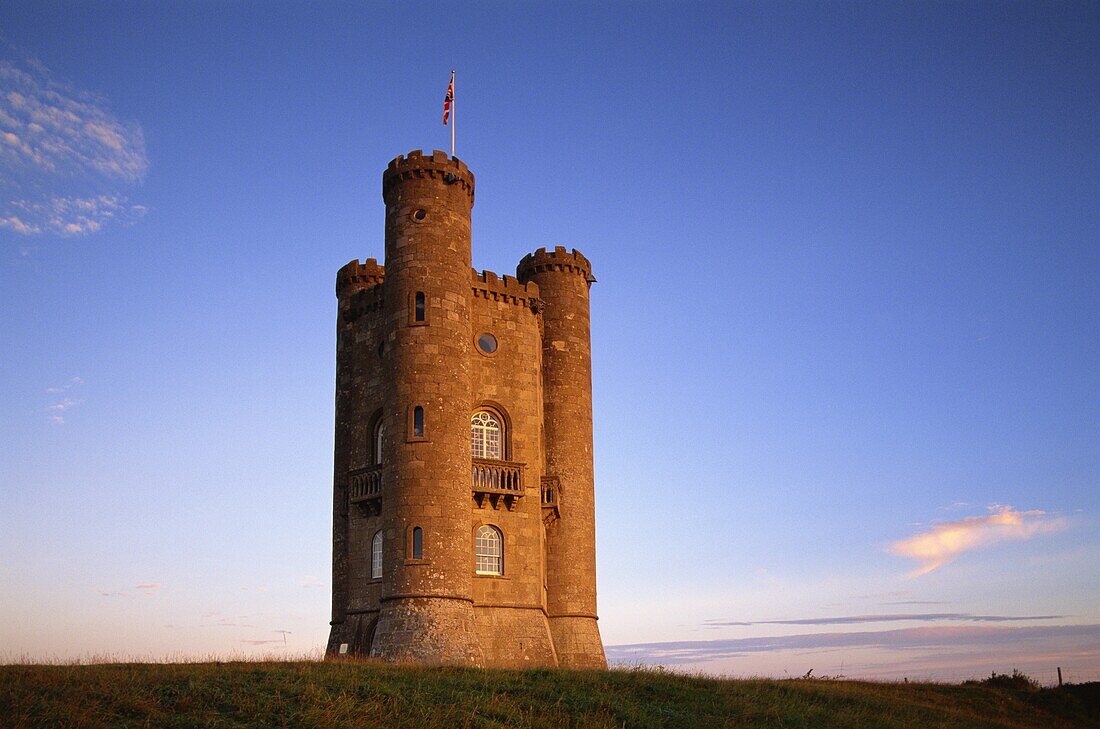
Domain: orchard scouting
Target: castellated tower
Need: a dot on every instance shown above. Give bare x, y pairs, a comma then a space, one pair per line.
463, 494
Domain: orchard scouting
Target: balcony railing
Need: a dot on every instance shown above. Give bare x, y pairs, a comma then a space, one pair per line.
365, 487
497, 482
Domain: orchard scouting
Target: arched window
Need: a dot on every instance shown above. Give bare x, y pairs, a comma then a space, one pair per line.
376, 556
489, 548
486, 435
418, 422
418, 543
379, 431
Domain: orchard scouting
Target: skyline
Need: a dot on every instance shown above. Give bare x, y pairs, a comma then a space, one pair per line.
846, 328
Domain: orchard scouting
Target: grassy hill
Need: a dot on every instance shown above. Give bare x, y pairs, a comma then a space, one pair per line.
361, 694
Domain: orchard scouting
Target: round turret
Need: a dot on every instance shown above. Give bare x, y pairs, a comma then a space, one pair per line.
426, 612
557, 260
564, 278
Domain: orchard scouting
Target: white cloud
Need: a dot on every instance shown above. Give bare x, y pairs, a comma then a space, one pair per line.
64, 156
310, 581
946, 541
73, 381
14, 223
70, 216
56, 410
51, 126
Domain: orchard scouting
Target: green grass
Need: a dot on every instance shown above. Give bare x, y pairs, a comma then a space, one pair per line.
364, 694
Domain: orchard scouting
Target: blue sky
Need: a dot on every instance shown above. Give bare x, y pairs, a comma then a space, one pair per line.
846, 335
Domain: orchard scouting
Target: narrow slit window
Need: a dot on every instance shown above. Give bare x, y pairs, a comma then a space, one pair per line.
418, 543
418, 422
419, 307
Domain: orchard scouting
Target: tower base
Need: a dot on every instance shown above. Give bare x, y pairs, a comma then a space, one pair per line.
515, 637
353, 636
577, 642
427, 630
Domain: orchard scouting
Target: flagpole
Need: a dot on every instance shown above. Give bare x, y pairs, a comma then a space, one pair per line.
452, 113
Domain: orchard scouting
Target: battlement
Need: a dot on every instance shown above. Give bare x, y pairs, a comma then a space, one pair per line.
510, 289
558, 259
354, 276
450, 170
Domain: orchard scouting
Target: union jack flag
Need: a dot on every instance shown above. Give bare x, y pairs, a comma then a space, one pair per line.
448, 100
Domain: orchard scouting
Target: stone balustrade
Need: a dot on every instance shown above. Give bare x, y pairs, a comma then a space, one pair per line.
365, 487
497, 482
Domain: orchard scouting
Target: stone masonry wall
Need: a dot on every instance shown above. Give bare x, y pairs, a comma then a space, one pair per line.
435, 609
510, 608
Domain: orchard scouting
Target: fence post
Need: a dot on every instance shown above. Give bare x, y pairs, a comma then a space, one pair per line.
1059, 675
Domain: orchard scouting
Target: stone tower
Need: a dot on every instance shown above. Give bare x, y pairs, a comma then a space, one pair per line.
463, 493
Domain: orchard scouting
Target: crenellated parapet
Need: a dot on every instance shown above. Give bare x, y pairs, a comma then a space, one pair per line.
416, 164
559, 259
355, 276
509, 289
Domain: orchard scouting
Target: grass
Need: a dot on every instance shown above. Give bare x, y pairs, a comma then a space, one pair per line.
366, 694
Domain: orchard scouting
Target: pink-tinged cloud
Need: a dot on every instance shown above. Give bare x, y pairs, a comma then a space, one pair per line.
946, 541
67, 160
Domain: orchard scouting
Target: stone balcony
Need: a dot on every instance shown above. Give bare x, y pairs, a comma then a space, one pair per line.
497, 482
365, 488
551, 488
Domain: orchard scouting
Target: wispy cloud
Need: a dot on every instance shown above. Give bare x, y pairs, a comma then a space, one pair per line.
683, 652
280, 641
65, 157
148, 588
73, 381
222, 621
309, 581
69, 216
56, 410
886, 618
947, 540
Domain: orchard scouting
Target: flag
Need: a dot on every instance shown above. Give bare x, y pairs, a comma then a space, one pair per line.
448, 100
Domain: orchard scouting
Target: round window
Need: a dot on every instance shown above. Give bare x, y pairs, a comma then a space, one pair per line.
419, 215
487, 343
